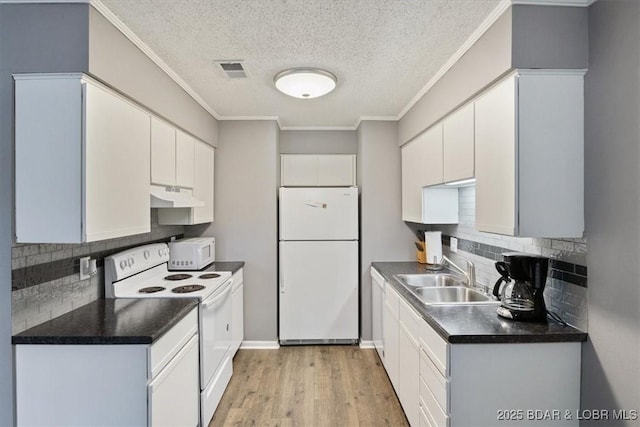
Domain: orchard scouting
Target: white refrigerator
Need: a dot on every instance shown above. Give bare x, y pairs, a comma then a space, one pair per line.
318, 280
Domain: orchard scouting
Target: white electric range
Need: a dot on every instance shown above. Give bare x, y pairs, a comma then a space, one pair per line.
142, 272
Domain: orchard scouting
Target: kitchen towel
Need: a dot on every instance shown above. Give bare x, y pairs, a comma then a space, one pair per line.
433, 246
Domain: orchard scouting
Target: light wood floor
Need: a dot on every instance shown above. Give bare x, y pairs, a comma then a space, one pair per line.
309, 386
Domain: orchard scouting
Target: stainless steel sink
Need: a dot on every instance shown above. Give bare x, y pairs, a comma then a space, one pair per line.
443, 289
429, 280
452, 295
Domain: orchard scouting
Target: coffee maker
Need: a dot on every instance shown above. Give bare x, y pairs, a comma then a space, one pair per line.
520, 287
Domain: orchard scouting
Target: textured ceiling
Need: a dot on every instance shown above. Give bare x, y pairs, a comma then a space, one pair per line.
382, 51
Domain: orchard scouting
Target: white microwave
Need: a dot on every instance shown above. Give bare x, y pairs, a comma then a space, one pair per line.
192, 254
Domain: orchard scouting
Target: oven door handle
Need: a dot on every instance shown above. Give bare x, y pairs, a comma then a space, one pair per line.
208, 303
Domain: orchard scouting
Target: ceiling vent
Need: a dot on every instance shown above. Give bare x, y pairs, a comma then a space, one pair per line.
232, 69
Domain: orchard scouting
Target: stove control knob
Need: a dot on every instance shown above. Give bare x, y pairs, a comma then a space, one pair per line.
123, 264
130, 262
160, 252
147, 254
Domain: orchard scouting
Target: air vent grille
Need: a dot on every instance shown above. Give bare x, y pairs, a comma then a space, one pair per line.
232, 69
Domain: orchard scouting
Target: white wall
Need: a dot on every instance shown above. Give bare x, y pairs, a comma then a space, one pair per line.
118, 62
318, 142
383, 235
611, 357
245, 225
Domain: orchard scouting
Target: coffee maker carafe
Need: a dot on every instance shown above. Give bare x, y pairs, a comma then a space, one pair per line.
521, 286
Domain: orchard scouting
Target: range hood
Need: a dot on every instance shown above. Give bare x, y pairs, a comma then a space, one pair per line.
173, 197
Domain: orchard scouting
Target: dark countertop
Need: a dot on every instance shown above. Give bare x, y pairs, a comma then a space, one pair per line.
111, 321
231, 266
474, 323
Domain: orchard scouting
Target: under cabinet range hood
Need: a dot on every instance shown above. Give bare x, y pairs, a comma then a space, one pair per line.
173, 197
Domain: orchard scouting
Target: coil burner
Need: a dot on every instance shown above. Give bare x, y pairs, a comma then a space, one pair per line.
181, 276
187, 288
151, 289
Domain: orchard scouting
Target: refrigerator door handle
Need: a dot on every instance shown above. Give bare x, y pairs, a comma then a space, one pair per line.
315, 204
281, 285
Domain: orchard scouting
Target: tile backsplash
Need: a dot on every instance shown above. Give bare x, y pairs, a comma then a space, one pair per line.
45, 278
566, 288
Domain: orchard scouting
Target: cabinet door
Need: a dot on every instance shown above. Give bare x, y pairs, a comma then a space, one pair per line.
163, 153
237, 318
185, 146
411, 189
496, 159
117, 166
430, 155
203, 182
377, 288
336, 170
390, 336
458, 144
409, 375
299, 170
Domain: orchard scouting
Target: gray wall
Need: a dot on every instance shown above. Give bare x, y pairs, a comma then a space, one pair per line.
119, 63
611, 357
549, 37
523, 37
245, 226
318, 142
28, 43
383, 235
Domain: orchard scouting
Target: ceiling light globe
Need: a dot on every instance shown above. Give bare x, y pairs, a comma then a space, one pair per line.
305, 83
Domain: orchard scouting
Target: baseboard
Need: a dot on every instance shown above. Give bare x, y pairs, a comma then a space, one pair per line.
366, 344
259, 345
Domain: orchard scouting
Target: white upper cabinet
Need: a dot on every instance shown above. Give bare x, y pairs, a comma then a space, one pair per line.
82, 161
529, 131
163, 153
185, 146
318, 170
458, 146
430, 156
202, 169
172, 155
411, 189
203, 182
422, 167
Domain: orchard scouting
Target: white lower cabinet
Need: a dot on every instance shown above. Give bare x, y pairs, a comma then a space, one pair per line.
237, 311
409, 350
111, 384
445, 385
390, 335
377, 302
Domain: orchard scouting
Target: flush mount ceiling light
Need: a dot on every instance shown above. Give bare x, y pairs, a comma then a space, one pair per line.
305, 83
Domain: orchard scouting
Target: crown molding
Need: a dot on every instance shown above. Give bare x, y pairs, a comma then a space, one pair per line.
317, 128
113, 19
569, 3
484, 26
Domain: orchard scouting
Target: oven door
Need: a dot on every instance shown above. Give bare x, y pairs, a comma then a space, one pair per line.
215, 331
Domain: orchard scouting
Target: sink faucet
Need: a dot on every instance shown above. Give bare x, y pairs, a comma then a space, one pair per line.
470, 274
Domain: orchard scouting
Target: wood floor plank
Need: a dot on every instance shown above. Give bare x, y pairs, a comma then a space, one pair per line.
309, 386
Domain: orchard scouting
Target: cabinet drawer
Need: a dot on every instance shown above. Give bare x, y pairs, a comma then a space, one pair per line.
392, 301
424, 419
431, 408
435, 347
376, 276
437, 384
163, 350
